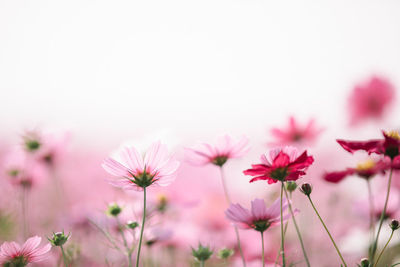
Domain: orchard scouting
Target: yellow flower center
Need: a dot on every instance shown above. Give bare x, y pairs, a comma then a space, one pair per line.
393, 134
366, 165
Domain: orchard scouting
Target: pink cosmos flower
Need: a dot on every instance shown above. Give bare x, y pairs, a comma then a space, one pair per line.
364, 170
370, 99
295, 133
12, 254
388, 146
259, 218
136, 172
281, 164
226, 147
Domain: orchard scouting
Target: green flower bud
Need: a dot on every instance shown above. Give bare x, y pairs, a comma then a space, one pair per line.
364, 263
394, 224
202, 253
306, 188
132, 225
225, 253
291, 186
114, 210
59, 239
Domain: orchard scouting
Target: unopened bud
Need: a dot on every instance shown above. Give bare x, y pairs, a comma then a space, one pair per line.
364, 262
306, 188
114, 210
59, 238
132, 225
394, 224
202, 253
225, 253
291, 186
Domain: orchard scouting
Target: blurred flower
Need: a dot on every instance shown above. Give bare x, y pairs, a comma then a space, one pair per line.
281, 164
259, 218
362, 207
32, 141
371, 99
364, 170
136, 172
225, 253
226, 147
388, 146
12, 254
295, 133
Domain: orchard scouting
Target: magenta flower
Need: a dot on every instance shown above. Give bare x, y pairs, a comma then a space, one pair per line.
296, 133
12, 254
364, 170
259, 218
281, 164
371, 99
137, 172
388, 146
225, 148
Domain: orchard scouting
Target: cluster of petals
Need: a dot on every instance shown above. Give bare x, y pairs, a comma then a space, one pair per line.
27, 253
371, 99
156, 164
365, 170
296, 133
280, 164
259, 214
226, 147
388, 146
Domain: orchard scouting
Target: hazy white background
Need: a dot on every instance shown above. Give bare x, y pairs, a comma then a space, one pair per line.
122, 68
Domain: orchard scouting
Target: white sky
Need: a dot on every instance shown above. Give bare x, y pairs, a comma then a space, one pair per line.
121, 68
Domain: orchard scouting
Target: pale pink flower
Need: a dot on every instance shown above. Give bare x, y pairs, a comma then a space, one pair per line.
259, 218
13, 254
370, 99
225, 147
295, 133
135, 171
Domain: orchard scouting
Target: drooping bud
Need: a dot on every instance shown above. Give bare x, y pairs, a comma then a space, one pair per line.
364, 263
132, 225
225, 253
114, 210
291, 186
202, 253
306, 189
59, 239
394, 224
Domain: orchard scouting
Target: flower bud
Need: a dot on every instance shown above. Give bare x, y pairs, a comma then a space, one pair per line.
31, 142
132, 225
291, 186
202, 253
394, 224
114, 210
364, 262
225, 253
306, 188
59, 239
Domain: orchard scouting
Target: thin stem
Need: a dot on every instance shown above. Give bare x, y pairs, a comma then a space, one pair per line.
23, 207
201, 263
64, 256
228, 199
380, 254
262, 249
326, 229
297, 229
141, 230
371, 215
128, 250
375, 245
279, 251
106, 234
282, 234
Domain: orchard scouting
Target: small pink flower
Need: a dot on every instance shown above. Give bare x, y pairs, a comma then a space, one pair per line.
225, 148
281, 164
370, 99
13, 254
259, 218
295, 133
136, 172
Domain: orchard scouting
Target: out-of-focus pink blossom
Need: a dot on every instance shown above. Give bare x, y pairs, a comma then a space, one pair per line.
13, 254
225, 147
365, 170
259, 218
370, 99
280, 164
136, 172
295, 133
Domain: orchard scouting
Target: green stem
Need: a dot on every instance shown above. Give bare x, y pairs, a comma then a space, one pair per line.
141, 230
326, 229
297, 228
380, 254
64, 256
201, 263
279, 251
128, 250
24, 216
228, 199
375, 245
262, 249
371, 216
282, 234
